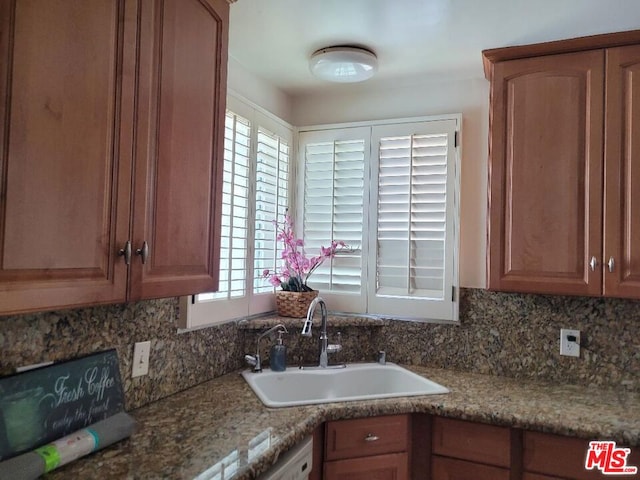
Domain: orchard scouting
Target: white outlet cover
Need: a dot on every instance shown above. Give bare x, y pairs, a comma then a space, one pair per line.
140, 364
567, 348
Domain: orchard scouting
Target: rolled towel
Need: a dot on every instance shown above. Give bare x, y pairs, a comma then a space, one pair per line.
31, 465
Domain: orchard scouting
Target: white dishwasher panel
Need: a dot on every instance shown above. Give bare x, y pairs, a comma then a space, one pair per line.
296, 464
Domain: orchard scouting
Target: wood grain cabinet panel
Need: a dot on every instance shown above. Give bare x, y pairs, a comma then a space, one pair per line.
182, 96
67, 92
472, 441
368, 448
545, 184
535, 476
563, 457
451, 469
622, 174
381, 467
113, 117
564, 167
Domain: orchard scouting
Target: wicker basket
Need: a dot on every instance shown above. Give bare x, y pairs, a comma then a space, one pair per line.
294, 304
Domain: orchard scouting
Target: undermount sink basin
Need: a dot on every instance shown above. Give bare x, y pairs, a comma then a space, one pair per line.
358, 381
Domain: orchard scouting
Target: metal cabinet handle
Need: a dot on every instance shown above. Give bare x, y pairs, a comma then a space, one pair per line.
371, 438
593, 264
126, 252
143, 252
611, 264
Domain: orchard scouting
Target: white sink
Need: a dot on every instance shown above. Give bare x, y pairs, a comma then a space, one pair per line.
358, 381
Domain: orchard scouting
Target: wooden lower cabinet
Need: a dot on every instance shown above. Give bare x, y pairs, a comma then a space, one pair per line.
374, 448
443, 468
427, 447
393, 466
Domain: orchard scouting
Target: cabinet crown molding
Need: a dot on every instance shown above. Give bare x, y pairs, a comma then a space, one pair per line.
618, 39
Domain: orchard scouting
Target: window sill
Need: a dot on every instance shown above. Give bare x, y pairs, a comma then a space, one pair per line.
334, 320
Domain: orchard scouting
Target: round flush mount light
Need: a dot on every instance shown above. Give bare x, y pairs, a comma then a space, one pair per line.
343, 64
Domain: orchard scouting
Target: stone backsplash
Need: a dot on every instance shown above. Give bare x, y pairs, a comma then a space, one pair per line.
502, 334
177, 360
506, 334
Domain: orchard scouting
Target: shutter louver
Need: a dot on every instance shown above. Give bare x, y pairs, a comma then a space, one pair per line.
272, 186
235, 209
333, 210
412, 205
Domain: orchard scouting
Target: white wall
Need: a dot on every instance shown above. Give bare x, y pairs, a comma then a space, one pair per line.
258, 91
467, 96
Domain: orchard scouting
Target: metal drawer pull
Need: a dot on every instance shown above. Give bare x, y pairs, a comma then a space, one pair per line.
611, 264
371, 438
143, 252
126, 252
593, 264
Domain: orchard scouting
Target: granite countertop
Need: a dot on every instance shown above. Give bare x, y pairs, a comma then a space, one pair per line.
222, 421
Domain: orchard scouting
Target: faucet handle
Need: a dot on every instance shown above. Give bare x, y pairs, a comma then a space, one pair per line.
254, 361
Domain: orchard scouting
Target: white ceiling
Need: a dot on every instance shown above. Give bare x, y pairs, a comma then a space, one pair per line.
415, 40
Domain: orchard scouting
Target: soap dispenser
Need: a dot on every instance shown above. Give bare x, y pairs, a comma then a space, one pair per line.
278, 355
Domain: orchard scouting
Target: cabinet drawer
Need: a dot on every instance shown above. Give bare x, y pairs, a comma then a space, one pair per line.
563, 457
450, 469
472, 441
394, 466
366, 436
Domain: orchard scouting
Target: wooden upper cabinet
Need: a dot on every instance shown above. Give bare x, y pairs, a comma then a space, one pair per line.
113, 124
545, 174
622, 174
564, 167
65, 84
178, 172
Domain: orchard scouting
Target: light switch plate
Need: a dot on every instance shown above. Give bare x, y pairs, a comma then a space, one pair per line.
140, 364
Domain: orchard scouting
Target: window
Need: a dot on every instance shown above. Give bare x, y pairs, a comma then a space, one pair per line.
390, 191
255, 192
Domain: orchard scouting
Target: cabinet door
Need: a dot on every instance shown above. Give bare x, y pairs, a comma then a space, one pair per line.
545, 174
179, 147
450, 469
380, 467
564, 457
66, 83
622, 173
472, 441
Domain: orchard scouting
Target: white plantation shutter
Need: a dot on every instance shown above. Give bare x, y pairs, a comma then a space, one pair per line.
390, 190
235, 209
272, 188
414, 217
255, 190
335, 166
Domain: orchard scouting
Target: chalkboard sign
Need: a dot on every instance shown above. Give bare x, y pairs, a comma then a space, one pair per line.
42, 405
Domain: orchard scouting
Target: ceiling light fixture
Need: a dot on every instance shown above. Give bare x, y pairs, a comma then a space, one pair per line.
343, 64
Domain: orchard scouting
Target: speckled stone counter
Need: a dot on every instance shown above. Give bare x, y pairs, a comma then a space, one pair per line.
222, 421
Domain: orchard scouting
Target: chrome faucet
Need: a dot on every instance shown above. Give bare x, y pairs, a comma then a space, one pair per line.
325, 347
254, 360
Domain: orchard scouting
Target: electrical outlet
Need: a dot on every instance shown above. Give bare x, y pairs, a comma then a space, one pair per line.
569, 348
140, 365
